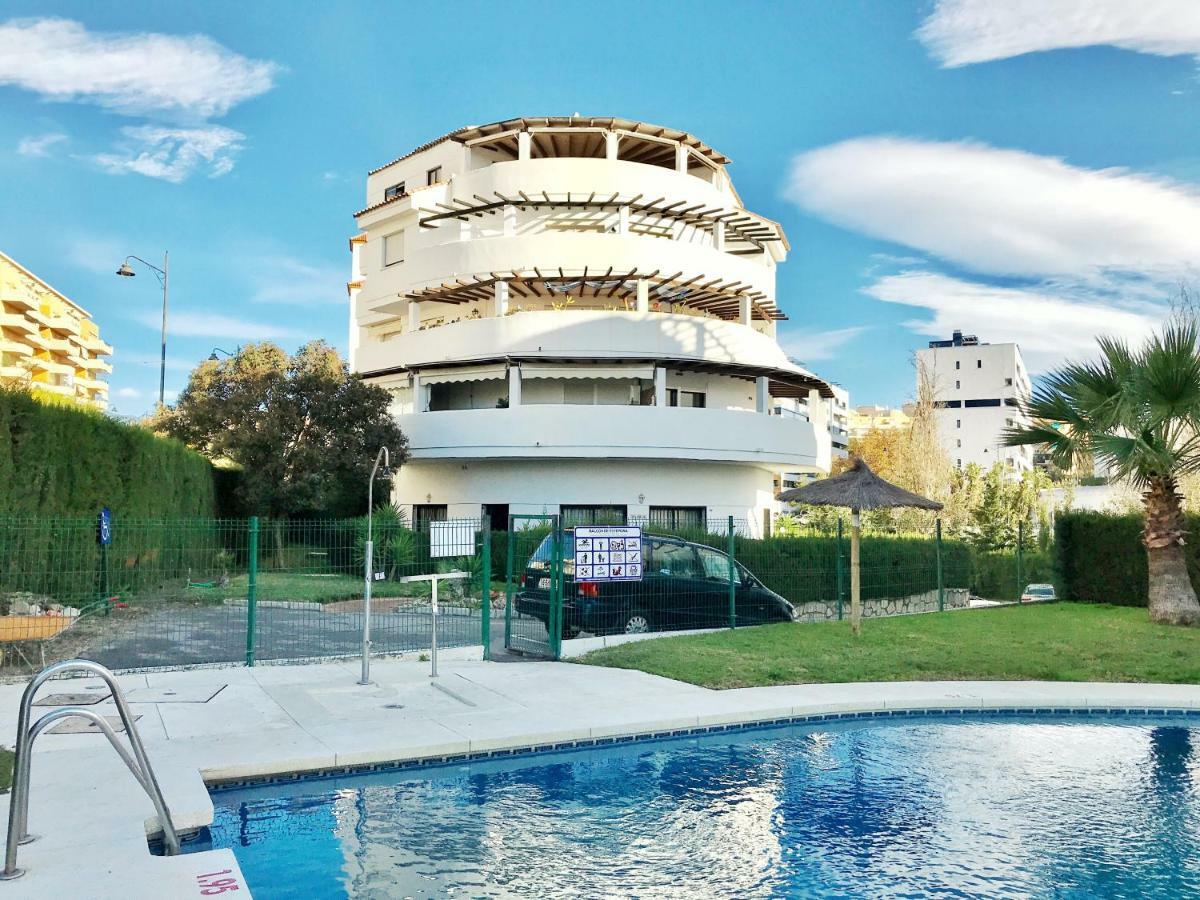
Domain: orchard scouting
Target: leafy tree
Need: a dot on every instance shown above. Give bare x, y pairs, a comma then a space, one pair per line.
1138, 412
302, 429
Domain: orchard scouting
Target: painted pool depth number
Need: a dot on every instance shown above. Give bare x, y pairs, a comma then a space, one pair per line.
215, 883
608, 553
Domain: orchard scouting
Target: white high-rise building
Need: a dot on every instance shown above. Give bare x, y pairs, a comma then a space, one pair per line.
577, 316
978, 388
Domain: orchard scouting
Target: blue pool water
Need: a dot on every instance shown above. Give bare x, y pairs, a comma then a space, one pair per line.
910, 808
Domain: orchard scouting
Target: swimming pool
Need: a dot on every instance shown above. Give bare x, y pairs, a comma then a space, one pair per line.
946, 807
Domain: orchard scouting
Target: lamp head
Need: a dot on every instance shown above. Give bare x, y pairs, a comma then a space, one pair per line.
125, 270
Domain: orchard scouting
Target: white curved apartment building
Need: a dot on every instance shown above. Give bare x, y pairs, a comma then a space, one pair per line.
577, 315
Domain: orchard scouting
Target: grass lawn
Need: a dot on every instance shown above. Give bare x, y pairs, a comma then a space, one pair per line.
314, 588
1049, 642
6, 769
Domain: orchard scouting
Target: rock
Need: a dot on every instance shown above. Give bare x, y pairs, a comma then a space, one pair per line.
69, 611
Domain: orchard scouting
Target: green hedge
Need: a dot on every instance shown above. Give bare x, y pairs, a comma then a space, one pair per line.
1100, 558
58, 460
994, 575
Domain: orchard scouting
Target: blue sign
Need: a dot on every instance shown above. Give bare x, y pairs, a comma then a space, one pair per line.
608, 553
104, 528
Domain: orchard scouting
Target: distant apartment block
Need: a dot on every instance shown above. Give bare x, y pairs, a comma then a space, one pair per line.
48, 343
978, 389
885, 418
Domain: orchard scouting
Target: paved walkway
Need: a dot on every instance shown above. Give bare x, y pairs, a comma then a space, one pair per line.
240, 722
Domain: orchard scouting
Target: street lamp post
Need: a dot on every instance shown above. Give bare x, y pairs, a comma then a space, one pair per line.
163, 278
368, 565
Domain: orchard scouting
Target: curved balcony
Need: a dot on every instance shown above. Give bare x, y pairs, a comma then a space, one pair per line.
584, 334
617, 432
426, 266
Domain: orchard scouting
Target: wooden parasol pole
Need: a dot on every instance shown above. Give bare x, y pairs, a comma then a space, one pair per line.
855, 577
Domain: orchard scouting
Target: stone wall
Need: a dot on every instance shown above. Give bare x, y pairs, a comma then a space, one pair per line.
955, 598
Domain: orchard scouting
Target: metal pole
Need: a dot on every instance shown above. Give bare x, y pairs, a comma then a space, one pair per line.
841, 575
485, 589
941, 588
1020, 542
162, 368
433, 631
855, 573
368, 553
251, 589
508, 587
730, 547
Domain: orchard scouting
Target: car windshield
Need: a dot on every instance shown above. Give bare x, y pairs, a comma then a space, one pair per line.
1041, 589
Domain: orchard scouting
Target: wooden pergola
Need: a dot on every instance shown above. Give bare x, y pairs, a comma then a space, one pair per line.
606, 287
739, 225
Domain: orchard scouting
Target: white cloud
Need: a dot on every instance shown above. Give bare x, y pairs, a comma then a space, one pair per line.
190, 77
815, 346
285, 279
39, 145
961, 32
1049, 325
1003, 212
128, 392
215, 325
173, 154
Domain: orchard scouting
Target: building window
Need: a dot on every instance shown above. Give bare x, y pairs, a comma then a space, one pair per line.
958, 364
1009, 422
958, 385
433, 175
694, 399
958, 423
678, 517
393, 248
979, 363
972, 404
958, 443
1008, 382
424, 513
396, 190
592, 515
959, 463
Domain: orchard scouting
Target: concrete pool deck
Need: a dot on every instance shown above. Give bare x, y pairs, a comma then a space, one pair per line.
236, 723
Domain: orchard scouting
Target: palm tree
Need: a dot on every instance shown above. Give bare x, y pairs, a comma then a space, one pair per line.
1138, 411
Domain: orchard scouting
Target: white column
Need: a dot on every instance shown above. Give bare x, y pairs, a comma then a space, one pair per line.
745, 310
817, 411
524, 145
420, 404
762, 397
356, 269
611, 142
501, 308
514, 386
719, 236
660, 386
510, 221
464, 229
643, 295
414, 315
623, 220
681, 158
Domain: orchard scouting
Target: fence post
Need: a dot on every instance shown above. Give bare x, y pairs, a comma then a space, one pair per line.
731, 548
841, 574
485, 589
1020, 561
940, 582
508, 586
251, 588
556, 590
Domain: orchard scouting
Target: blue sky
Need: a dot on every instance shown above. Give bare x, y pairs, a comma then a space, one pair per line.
1027, 171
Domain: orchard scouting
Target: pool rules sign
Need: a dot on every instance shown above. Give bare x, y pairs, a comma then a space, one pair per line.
608, 553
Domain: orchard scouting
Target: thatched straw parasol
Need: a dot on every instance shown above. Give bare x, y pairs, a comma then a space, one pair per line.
857, 488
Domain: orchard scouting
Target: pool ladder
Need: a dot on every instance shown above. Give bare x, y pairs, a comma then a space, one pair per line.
138, 763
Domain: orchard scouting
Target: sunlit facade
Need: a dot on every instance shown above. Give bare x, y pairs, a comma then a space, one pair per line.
578, 315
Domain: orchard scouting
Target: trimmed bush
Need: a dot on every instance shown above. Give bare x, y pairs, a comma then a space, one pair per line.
994, 575
1100, 558
58, 460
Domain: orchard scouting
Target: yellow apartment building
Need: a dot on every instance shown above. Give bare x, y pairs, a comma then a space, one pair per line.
864, 418
48, 343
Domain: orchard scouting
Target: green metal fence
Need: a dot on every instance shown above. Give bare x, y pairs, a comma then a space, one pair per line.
178, 593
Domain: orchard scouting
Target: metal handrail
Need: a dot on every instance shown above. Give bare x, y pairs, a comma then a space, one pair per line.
138, 763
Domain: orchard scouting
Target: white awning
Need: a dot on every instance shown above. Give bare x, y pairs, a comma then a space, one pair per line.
583, 370
463, 373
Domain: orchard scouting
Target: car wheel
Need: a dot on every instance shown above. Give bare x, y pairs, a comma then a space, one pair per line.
637, 623
569, 633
